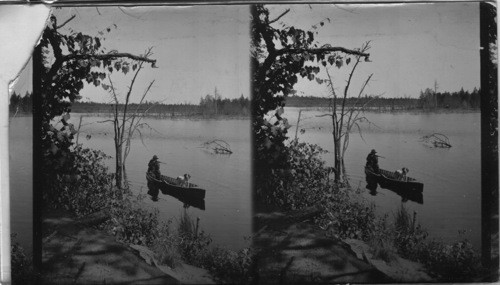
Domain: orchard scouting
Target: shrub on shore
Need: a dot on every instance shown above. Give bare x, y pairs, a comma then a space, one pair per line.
85, 185
303, 181
306, 183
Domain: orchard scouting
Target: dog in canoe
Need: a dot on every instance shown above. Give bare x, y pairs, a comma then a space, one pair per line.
183, 180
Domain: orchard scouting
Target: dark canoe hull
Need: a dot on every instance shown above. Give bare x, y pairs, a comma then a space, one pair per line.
387, 179
169, 186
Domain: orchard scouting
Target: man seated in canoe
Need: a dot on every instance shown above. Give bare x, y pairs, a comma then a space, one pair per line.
372, 161
154, 167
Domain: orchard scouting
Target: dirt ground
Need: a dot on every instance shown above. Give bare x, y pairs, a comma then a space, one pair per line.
75, 253
294, 250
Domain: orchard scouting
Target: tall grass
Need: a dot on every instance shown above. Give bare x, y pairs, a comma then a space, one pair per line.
381, 241
453, 262
225, 265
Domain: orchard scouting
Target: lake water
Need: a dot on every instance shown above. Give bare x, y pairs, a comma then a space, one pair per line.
451, 177
21, 179
226, 179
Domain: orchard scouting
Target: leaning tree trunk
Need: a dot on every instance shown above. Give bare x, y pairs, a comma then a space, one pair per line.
125, 179
119, 165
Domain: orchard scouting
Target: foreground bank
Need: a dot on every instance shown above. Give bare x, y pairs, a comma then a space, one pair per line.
74, 251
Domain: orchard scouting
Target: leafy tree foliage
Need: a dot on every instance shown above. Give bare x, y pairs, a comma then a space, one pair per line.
65, 61
280, 54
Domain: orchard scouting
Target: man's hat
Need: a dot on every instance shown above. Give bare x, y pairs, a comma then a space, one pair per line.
155, 157
373, 151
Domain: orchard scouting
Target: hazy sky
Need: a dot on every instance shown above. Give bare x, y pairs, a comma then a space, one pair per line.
200, 48
196, 48
412, 45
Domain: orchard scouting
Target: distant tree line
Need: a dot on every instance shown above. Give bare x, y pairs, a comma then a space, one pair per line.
21, 104
214, 105
208, 107
428, 99
371, 102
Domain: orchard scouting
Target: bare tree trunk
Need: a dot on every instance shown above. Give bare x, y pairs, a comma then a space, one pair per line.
125, 178
298, 121
338, 164
342, 125
78, 130
119, 165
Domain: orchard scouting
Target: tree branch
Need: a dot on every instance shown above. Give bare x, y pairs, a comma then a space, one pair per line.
67, 21
323, 50
279, 17
59, 61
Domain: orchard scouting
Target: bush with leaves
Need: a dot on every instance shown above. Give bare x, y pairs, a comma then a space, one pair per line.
131, 223
85, 185
346, 215
303, 181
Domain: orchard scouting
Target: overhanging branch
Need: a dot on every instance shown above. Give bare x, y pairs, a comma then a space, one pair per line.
58, 63
65, 22
322, 50
279, 17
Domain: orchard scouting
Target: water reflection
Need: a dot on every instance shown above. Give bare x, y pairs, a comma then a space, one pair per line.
372, 183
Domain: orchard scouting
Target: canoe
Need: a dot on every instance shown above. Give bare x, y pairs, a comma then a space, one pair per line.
415, 196
388, 179
169, 185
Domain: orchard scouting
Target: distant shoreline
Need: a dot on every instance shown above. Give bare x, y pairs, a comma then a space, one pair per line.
195, 117
177, 116
397, 111
198, 117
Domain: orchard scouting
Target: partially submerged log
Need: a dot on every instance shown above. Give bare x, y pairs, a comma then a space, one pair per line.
217, 147
437, 140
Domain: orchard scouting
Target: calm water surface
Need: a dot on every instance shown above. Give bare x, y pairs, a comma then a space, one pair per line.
451, 177
227, 179
21, 177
